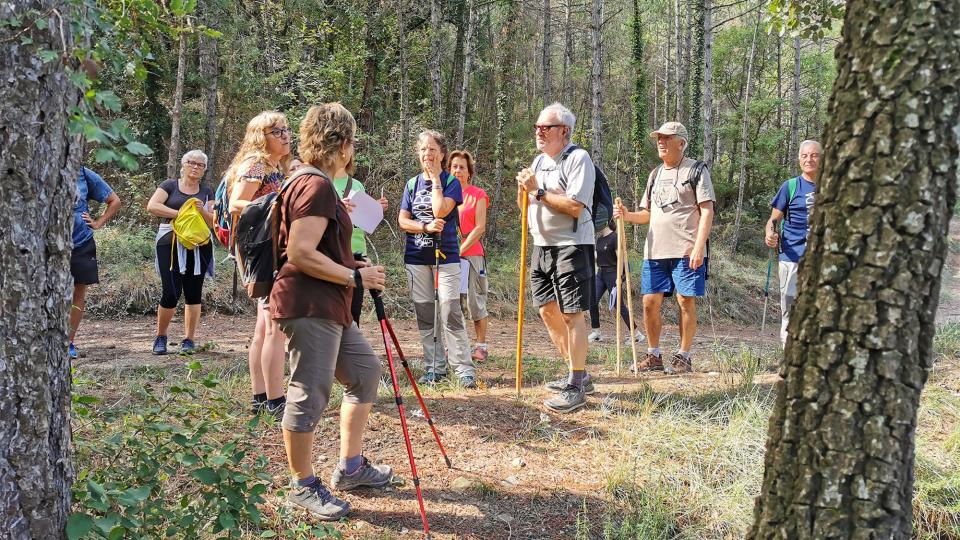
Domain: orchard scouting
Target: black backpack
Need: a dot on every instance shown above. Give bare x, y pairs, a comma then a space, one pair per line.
602, 209
256, 236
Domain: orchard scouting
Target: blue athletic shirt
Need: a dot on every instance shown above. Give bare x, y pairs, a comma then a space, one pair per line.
793, 239
90, 186
420, 247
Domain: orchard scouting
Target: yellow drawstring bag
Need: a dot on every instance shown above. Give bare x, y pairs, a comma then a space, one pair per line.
189, 228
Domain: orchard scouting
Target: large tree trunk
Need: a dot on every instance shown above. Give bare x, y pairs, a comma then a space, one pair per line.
173, 156
596, 81
467, 71
547, 40
747, 89
436, 58
37, 190
708, 143
210, 70
840, 453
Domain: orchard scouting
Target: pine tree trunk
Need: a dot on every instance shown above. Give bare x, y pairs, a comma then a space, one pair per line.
795, 112
210, 70
547, 40
695, 127
840, 453
40, 163
436, 57
678, 61
404, 88
173, 156
596, 81
505, 73
747, 88
467, 71
370, 67
708, 142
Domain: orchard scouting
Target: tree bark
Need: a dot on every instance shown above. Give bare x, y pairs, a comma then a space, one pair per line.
596, 85
467, 71
36, 199
695, 127
567, 54
547, 40
371, 65
173, 156
708, 143
505, 71
436, 57
747, 88
404, 88
840, 452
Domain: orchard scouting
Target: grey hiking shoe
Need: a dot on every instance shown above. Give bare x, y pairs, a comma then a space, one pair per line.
560, 385
678, 365
318, 501
275, 412
368, 475
567, 401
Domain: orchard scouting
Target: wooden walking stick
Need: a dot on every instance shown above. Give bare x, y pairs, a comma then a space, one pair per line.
523, 286
620, 267
622, 255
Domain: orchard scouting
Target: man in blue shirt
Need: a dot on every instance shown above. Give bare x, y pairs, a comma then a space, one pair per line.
793, 204
83, 260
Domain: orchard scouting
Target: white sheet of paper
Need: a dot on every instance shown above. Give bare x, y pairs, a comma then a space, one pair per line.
367, 212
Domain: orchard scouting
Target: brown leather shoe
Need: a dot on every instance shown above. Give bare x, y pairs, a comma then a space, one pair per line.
679, 364
650, 363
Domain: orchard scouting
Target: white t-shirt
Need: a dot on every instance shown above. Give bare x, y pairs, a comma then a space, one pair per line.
573, 177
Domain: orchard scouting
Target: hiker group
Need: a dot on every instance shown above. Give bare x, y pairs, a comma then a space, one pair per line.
288, 221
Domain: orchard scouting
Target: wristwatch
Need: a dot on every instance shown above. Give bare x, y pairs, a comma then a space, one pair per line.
540, 194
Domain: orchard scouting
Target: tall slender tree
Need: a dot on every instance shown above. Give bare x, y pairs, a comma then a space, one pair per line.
841, 444
467, 70
596, 81
547, 56
176, 114
695, 126
795, 109
744, 134
708, 142
436, 58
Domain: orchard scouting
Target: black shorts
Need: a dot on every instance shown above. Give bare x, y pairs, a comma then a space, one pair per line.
563, 274
83, 263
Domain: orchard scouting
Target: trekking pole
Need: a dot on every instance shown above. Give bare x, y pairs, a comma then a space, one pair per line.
387, 330
620, 267
523, 286
766, 292
622, 245
437, 254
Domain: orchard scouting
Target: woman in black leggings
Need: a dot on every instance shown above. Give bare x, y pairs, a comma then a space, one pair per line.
181, 270
606, 281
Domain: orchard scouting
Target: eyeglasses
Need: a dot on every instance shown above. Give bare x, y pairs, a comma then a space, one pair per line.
279, 132
543, 128
197, 164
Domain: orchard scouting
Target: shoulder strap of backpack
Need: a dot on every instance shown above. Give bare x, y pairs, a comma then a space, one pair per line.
650, 181
696, 172
348, 187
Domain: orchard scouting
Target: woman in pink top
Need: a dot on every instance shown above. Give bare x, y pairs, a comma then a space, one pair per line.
473, 223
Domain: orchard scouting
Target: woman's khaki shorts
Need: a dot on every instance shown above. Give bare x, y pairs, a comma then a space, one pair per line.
320, 350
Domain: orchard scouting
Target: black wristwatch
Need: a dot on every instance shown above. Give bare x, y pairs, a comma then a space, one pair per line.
540, 194
357, 278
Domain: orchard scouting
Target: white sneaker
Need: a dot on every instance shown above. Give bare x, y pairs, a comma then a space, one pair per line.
595, 337
637, 337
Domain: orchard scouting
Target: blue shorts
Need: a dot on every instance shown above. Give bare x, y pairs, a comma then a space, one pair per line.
673, 275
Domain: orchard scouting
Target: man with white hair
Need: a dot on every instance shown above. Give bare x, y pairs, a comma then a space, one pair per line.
559, 190
789, 224
678, 205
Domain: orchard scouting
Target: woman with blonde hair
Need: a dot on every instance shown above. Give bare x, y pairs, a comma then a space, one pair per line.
310, 300
258, 169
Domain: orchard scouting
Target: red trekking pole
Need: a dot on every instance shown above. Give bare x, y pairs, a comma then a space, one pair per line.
387, 330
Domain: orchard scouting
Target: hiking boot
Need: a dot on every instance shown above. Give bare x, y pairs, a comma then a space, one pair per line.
567, 401
468, 381
679, 365
560, 385
160, 345
431, 378
72, 352
275, 412
479, 354
317, 500
368, 475
187, 346
257, 407
595, 337
637, 337
650, 362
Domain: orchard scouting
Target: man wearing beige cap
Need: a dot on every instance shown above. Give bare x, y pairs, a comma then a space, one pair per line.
678, 205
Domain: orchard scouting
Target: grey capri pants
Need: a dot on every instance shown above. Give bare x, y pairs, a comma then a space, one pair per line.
320, 350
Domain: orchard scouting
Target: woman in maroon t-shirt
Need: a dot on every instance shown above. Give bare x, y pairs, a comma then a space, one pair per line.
311, 303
